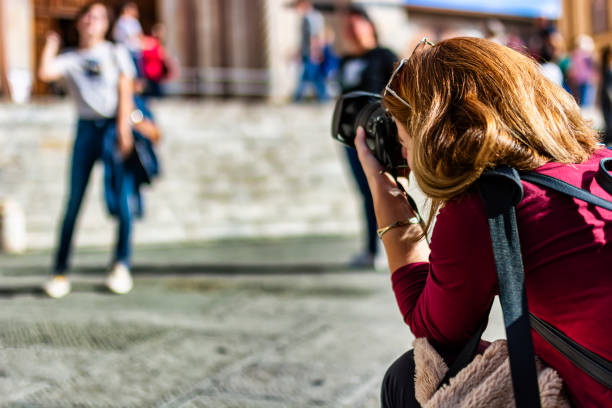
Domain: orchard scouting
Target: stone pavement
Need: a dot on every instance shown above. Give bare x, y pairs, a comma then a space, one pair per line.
240, 323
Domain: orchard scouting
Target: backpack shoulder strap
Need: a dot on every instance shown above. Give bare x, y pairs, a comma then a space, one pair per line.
603, 178
501, 179
501, 190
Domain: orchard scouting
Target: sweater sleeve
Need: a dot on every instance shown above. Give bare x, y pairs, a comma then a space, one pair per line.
447, 298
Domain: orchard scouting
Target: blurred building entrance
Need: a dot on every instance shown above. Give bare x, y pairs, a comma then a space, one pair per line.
222, 46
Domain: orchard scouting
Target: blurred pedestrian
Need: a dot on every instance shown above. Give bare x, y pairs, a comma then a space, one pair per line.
127, 30
606, 93
156, 66
582, 71
548, 56
330, 63
99, 76
366, 67
562, 58
311, 51
496, 31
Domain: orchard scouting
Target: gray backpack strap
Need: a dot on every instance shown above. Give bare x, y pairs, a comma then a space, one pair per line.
501, 190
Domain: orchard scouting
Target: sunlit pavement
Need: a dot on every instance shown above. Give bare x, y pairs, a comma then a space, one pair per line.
266, 323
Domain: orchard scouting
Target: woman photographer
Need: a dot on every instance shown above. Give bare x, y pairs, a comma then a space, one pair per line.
99, 77
463, 106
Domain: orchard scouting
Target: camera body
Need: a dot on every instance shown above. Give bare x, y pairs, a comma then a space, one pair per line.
365, 109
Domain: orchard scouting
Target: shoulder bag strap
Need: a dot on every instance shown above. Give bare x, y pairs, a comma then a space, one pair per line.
594, 365
501, 190
466, 355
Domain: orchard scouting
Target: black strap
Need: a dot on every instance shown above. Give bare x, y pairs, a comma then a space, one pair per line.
594, 365
565, 188
603, 176
466, 355
501, 189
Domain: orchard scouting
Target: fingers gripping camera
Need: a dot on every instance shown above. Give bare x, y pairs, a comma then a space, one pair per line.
365, 109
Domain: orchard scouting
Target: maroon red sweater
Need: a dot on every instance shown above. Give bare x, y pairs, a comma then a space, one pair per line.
567, 255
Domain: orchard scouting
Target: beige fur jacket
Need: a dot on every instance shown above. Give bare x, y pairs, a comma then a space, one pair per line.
485, 382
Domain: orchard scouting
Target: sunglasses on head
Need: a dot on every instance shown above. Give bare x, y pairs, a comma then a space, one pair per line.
388, 89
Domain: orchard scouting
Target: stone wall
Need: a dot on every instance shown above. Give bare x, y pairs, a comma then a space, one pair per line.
230, 169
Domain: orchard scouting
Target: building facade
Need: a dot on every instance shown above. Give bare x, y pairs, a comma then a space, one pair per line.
248, 48
222, 47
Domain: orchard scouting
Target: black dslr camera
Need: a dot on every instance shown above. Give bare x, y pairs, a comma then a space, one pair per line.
365, 109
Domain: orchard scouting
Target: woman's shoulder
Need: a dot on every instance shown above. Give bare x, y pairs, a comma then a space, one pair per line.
462, 214
466, 203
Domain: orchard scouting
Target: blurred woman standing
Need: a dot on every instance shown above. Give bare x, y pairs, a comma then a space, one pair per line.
367, 67
99, 76
582, 71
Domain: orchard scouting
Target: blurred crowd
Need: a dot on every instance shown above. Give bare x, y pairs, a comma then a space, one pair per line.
582, 73
365, 65
577, 69
153, 65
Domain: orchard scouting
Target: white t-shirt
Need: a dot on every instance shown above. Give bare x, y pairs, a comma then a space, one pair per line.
126, 31
92, 76
552, 72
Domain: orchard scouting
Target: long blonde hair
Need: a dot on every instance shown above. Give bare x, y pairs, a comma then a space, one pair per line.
474, 105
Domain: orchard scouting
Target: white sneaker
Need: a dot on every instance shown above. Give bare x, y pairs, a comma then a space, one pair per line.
57, 287
119, 280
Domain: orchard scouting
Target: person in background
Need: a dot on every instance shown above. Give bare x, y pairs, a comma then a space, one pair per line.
312, 40
496, 31
548, 57
562, 58
606, 93
99, 76
366, 67
582, 71
330, 63
155, 63
128, 31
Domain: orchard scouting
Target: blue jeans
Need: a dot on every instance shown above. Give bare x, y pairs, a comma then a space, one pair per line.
88, 148
368, 203
311, 73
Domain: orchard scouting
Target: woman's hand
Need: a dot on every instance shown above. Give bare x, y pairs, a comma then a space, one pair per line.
53, 41
390, 206
47, 71
149, 130
125, 139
